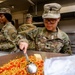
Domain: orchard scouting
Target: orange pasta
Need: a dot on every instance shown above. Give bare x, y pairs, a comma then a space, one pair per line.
18, 67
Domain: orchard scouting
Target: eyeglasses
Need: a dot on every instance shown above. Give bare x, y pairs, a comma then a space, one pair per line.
50, 20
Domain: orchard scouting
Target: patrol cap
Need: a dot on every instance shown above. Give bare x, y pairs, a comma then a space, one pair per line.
51, 10
28, 16
5, 10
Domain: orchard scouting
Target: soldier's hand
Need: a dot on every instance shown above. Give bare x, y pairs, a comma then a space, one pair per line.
23, 46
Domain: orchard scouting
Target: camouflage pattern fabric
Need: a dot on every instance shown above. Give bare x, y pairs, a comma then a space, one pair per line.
44, 40
51, 10
25, 28
9, 38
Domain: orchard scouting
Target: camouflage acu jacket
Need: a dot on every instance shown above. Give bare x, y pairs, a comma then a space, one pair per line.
25, 28
41, 39
9, 38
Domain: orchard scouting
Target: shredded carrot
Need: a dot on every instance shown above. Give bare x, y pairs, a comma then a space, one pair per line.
18, 67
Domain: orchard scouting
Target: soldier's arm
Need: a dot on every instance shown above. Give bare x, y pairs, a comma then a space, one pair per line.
13, 36
19, 29
10, 33
25, 28
30, 35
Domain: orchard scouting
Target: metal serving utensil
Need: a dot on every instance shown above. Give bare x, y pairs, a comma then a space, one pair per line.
31, 67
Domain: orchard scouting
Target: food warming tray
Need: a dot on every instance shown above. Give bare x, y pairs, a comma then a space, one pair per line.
6, 58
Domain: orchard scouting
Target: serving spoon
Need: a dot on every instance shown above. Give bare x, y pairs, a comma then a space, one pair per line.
31, 67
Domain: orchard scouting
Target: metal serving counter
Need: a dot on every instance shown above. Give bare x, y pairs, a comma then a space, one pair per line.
6, 58
3, 53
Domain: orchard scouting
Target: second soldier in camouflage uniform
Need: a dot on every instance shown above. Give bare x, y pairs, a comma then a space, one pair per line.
9, 40
50, 38
27, 26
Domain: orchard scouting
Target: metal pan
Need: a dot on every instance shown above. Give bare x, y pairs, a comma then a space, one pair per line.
6, 58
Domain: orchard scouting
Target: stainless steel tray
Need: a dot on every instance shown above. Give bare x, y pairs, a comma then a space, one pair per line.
6, 58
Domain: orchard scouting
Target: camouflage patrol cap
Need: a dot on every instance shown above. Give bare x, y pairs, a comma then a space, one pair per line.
28, 16
51, 10
5, 10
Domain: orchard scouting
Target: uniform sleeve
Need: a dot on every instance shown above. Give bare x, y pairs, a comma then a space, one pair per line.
20, 29
31, 35
20, 38
67, 45
12, 35
26, 28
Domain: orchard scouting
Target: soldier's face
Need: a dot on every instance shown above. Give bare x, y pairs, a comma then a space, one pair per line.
2, 19
29, 20
51, 24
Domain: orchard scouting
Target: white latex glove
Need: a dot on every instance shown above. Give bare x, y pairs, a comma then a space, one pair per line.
23, 46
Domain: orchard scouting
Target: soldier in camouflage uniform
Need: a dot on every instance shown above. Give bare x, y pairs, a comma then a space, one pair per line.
9, 40
27, 26
50, 38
